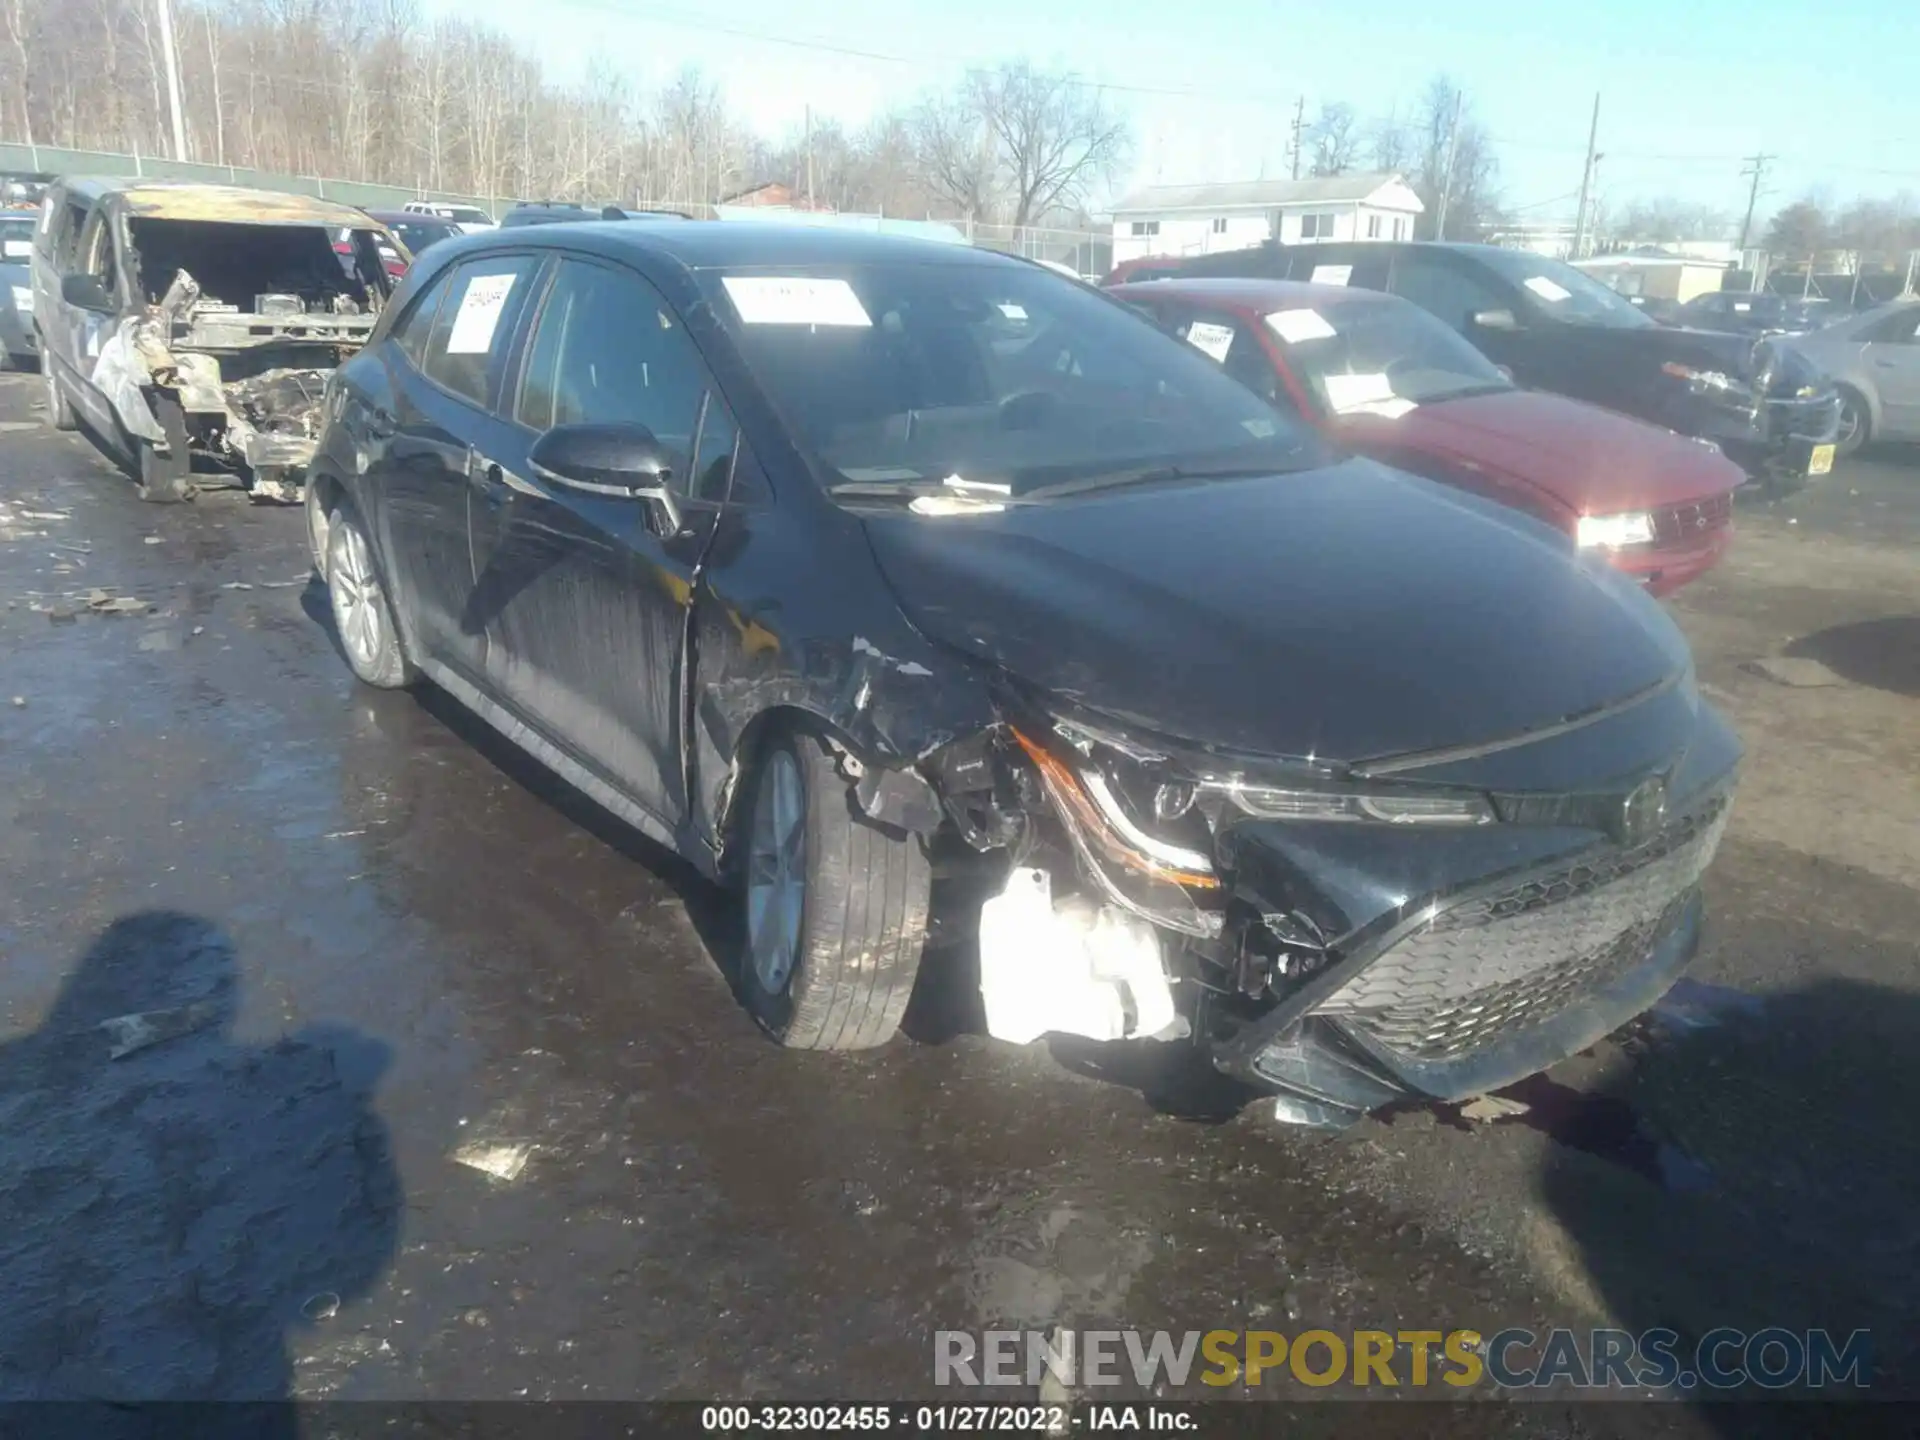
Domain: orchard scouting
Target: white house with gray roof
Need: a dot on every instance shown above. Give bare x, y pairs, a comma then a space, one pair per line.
1200, 219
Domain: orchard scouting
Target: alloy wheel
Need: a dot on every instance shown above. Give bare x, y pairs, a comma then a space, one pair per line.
357, 612
776, 873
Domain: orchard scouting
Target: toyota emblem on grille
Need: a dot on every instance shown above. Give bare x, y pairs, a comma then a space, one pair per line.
1644, 811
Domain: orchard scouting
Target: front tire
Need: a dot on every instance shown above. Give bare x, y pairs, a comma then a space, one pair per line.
836, 907
166, 479
362, 616
1856, 424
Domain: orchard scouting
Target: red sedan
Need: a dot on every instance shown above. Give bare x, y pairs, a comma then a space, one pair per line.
1380, 376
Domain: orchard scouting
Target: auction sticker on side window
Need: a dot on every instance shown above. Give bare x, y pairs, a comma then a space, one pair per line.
794, 300
1331, 274
1548, 289
1294, 326
1213, 341
479, 313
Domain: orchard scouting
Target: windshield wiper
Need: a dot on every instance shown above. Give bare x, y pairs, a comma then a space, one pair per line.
907, 491
1150, 475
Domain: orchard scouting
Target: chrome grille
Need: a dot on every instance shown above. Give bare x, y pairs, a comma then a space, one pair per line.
1684, 524
1516, 959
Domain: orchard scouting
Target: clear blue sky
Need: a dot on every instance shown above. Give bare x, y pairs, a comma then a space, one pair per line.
1687, 86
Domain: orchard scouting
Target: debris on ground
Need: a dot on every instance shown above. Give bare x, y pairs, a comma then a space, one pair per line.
102, 602
1491, 1107
142, 1031
503, 1162
1794, 671
19, 702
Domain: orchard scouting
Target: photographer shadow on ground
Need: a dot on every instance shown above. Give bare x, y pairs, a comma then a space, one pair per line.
1791, 1117
175, 1205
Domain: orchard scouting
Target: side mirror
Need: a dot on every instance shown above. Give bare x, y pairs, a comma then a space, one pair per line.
621, 462
1494, 320
85, 292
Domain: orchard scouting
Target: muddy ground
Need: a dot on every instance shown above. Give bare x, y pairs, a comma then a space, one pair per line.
408, 960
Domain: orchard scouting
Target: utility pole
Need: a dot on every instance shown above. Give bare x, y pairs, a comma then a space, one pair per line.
1446, 183
1758, 164
1586, 183
1299, 123
167, 54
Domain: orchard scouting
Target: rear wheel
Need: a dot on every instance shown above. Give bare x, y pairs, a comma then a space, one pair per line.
166, 479
59, 409
362, 617
836, 908
1856, 425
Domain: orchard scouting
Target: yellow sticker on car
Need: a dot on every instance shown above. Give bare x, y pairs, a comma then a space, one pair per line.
1821, 461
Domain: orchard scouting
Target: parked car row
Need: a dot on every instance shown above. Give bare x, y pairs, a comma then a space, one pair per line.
829, 561
1556, 329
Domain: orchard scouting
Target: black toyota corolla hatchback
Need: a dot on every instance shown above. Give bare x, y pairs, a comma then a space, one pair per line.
843, 565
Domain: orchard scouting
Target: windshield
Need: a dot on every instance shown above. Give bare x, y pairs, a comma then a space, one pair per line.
466, 215
1383, 356
999, 375
417, 235
1564, 292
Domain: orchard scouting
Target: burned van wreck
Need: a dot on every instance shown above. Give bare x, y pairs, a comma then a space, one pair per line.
203, 321
874, 577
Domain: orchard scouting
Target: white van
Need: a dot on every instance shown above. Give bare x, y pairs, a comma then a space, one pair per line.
470, 218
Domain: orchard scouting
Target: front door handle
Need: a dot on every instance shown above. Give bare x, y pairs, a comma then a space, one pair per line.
381, 425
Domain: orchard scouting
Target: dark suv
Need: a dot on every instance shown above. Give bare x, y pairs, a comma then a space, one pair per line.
551, 212
1557, 329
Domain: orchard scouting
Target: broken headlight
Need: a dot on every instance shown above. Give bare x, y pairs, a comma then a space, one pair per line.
1156, 815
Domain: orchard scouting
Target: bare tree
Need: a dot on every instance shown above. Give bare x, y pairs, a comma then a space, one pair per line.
1460, 166
1387, 145
954, 148
1801, 230
1335, 139
1055, 135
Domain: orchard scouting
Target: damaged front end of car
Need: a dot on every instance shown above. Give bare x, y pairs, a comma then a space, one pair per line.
241, 330
1341, 935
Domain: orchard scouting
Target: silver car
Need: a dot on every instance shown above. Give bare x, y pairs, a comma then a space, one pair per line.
1874, 359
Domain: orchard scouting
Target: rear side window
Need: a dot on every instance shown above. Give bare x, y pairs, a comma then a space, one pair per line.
471, 327
1447, 291
1896, 329
414, 327
63, 243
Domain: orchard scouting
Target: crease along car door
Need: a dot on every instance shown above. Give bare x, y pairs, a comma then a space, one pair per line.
440, 419
584, 605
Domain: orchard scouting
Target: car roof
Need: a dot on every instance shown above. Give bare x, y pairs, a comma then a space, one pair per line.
1253, 295
231, 204
719, 245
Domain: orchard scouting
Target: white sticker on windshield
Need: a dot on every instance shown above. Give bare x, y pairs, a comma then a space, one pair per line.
1391, 409
1331, 274
1213, 341
1741, 307
1294, 326
19, 249
1547, 289
1347, 393
794, 300
479, 314
1014, 312
1259, 429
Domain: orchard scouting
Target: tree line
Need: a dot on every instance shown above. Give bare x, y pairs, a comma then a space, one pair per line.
371, 90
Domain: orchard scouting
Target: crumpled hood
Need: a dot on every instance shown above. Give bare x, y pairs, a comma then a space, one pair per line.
1347, 613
